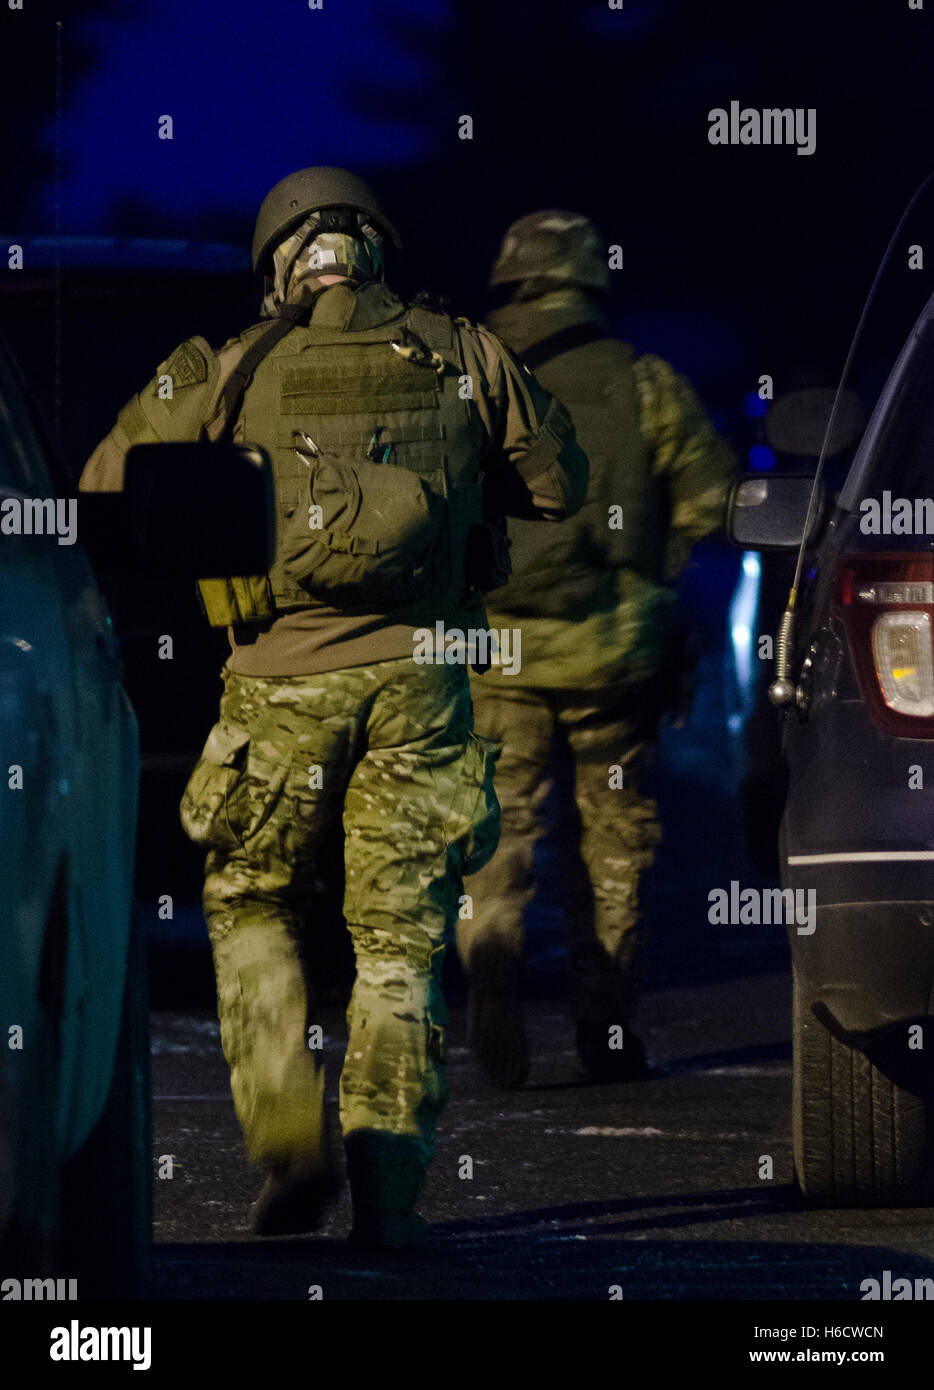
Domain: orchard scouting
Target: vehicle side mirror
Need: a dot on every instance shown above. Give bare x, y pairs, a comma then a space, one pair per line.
769, 512
190, 511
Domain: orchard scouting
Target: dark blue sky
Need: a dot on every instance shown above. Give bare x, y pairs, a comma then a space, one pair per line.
254, 91
734, 256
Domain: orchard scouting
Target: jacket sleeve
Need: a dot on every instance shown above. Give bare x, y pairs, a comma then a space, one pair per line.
181, 402
695, 462
536, 469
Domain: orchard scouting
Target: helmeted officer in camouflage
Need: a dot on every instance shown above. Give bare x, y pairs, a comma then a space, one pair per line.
594, 600
396, 433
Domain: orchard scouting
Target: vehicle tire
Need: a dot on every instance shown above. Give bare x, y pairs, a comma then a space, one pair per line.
107, 1185
862, 1121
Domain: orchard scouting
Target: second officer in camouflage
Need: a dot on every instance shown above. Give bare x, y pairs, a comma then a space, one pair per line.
396, 433
594, 599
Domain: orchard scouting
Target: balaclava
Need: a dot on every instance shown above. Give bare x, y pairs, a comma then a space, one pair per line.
332, 241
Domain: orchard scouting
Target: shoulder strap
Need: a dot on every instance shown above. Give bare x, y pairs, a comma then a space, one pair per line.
577, 335
241, 376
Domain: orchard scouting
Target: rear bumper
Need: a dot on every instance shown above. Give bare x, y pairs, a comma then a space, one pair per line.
868, 966
856, 840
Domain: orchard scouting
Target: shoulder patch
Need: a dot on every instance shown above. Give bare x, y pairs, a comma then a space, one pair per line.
187, 366
174, 403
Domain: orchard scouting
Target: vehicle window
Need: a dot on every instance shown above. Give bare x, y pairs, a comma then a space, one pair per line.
903, 462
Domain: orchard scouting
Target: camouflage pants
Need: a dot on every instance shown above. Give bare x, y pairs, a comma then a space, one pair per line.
388, 748
610, 831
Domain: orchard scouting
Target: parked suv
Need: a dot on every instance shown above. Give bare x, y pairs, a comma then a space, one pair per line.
858, 823
74, 1145
75, 1142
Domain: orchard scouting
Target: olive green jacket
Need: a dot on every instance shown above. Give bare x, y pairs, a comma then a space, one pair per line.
595, 596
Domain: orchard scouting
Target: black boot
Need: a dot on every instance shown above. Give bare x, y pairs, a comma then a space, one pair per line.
495, 1024
628, 1063
294, 1197
387, 1174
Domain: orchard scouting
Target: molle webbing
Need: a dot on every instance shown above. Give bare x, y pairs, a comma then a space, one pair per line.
356, 380
348, 390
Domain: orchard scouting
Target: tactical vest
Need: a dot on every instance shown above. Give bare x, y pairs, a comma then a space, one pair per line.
568, 570
357, 397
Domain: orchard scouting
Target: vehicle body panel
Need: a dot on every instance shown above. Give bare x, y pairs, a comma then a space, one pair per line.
858, 824
68, 831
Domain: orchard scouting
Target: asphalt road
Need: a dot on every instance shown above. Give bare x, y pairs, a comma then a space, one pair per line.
652, 1186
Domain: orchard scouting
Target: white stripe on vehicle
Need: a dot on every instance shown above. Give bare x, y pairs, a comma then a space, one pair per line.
869, 856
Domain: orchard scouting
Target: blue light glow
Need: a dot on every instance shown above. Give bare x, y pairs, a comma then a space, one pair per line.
761, 458
742, 617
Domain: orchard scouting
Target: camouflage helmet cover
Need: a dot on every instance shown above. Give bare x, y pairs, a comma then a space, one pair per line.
291, 200
552, 245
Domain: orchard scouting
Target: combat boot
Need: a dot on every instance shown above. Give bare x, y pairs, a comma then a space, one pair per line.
495, 1025
387, 1174
628, 1063
295, 1196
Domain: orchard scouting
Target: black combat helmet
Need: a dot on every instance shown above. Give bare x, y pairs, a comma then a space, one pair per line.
305, 191
553, 245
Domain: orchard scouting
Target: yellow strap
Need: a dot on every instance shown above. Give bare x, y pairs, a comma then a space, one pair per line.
242, 599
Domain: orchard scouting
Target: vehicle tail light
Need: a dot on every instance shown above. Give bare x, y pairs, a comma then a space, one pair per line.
887, 605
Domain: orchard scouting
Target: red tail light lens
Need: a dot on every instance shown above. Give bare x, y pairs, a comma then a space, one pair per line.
887, 604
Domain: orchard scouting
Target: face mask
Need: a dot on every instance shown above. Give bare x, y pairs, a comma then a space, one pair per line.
311, 252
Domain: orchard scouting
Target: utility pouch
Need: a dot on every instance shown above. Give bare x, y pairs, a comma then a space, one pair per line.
369, 535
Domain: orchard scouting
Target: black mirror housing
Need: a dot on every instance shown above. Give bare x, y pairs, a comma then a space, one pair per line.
768, 511
190, 511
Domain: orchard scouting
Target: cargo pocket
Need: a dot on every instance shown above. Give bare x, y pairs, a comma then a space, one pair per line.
474, 822
232, 790
203, 808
